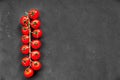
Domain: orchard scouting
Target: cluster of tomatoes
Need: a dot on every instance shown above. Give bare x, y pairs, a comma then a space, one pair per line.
31, 33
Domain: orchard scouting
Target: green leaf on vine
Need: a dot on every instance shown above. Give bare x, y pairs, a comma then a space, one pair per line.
26, 13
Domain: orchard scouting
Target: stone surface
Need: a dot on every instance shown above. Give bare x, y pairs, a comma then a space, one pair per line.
81, 39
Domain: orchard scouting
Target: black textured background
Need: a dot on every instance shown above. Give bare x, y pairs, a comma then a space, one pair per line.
81, 39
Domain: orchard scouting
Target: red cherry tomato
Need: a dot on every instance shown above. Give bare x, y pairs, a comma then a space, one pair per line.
24, 20
33, 13
37, 33
25, 39
35, 55
25, 49
28, 73
36, 65
35, 24
25, 61
35, 44
25, 30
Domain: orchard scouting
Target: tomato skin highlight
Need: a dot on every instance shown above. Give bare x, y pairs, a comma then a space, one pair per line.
24, 49
24, 20
37, 33
25, 61
25, 30
33, 13
35, 55
35, 24
36, 65
28, 73
25, 39
36, 44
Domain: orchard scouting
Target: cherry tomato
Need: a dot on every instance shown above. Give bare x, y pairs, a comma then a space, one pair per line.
24, 20
37, 33
35, 55
36, 65
25, 30
33, 13
35, 24
35, 44
28, 72
25, 61
25, 49
25, 39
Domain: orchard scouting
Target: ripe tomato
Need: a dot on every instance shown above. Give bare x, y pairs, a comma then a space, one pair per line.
25, 30
25, 39
36, 65
25, 61
35, 24
37, 33
24, 49
35, 55
33, 13
24, 20
35, 44
28, 72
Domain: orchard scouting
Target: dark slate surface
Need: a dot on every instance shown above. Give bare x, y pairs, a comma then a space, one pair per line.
81, 39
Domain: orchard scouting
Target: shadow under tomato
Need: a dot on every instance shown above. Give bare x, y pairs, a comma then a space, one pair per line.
19, 57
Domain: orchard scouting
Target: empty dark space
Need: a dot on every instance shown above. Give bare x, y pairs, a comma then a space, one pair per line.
81, 39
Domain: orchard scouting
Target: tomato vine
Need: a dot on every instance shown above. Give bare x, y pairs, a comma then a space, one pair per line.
31, 43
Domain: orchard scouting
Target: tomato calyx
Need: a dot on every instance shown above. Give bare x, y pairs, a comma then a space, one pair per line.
32, 13
34, 23
27, 70
24, 29
36, 54
25, 21
23, 49
23, 61
35, 32
36, 44
35, 63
